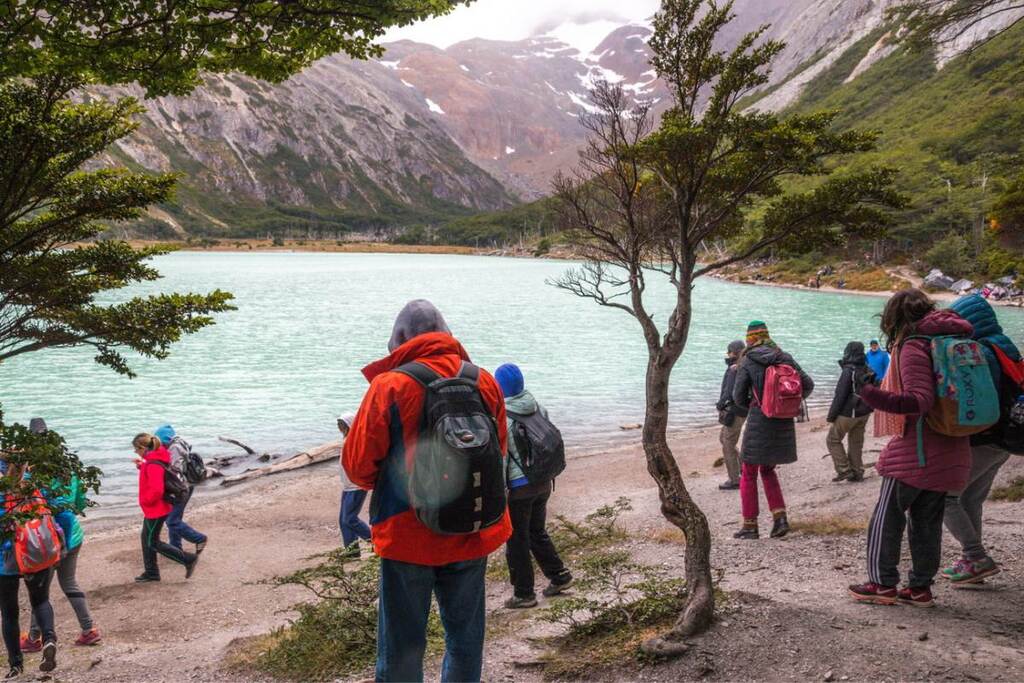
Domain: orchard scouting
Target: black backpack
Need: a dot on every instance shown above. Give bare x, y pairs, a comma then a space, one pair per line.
539, 445
1008, 432
175, 488
193, 467
457, 483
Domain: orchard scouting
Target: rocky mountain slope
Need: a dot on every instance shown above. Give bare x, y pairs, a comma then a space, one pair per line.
426, 133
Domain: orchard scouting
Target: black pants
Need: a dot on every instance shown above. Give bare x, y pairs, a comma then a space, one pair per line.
38, 585
151, 545
920, 512
529, 536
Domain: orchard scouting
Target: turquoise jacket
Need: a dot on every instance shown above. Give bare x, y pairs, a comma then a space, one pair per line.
73, 497
523, 404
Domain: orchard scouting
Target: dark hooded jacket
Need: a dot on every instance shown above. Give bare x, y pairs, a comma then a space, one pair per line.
766, 440
855, 374
725, 402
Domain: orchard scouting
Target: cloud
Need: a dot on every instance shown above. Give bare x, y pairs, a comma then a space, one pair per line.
519, 19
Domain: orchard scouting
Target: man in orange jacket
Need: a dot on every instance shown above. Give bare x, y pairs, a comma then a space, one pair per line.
416, 561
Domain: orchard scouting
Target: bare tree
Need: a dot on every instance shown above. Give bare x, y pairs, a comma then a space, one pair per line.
945, 21
644, 199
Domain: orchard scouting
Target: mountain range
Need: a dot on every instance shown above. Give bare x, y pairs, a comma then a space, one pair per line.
424, 133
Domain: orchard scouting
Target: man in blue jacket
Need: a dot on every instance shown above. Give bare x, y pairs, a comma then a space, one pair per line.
878, 360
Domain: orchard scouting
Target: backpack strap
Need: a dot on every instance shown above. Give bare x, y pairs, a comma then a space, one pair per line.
419, 372
469, 371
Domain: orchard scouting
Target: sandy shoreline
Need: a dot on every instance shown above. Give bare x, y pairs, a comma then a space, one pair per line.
179, 630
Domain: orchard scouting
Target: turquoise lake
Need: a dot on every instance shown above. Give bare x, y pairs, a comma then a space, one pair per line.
277, 372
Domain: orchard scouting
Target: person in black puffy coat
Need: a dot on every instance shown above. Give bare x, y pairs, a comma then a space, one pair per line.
767, 442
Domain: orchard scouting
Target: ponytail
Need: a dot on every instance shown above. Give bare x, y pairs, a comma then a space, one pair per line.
147, 441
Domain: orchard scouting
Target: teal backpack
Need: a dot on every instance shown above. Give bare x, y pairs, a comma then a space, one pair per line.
966, 400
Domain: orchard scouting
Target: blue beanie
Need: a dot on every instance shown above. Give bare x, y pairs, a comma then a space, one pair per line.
165, 433
510, 379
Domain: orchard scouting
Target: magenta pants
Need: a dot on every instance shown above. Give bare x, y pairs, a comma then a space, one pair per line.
748, 489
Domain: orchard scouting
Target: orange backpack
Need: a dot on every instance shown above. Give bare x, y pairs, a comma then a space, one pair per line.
39, 542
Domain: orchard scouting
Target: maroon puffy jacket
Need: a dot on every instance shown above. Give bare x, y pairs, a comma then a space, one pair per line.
947, 458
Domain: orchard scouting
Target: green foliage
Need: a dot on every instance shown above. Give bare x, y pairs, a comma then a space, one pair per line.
335, 635
500, 227
1008, 209
998, 262
952, 254
944, 21
166, 46
954, 134
49, 460
50, 272
1011, 493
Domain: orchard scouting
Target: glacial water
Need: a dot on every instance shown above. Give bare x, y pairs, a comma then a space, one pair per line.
277, 372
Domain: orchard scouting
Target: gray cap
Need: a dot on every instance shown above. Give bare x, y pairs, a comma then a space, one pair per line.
37, 425
417, 317
736, 346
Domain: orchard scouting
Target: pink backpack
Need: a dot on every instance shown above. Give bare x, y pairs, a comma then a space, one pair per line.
783, 392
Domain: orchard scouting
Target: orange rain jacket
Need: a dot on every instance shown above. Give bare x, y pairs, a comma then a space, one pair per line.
381, 447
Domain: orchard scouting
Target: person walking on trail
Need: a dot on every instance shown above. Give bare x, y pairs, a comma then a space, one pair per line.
849, 415
352, 498
536, 455
878, 360
918, 465
429, 410
70, 497
771, 387
731, 417
154, 463
36, 582
177, 529
964, 507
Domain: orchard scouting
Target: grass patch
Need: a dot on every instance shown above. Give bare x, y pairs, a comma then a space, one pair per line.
1011, 493
829, 525
334, 635
667, 536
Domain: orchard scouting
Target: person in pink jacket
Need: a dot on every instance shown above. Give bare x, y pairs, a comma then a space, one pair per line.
913, 493
152, 458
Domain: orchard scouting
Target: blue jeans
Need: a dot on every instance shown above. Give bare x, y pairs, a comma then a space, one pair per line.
351, 526
405, 591
176, 527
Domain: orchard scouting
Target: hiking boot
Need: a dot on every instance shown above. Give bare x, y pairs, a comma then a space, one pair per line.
845, 476
190, 568
781, 526
966, 572
856, 477
145, 578
917, 597
556, 587
873, 594
49, 662
747, 533
15, 671
352, 551
30, 644
728, 486
200, 547
90, 637
516, 602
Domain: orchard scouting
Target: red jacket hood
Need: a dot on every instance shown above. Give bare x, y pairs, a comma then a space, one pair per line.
944, 322
159, 455
421, 346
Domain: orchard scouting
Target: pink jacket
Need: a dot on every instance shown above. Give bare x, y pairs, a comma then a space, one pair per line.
151, 484
947, 458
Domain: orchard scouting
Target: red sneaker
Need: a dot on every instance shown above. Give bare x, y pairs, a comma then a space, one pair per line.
28, 644
918, 597
90, 637
874, 594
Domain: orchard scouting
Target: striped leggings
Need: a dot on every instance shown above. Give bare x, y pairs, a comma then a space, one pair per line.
920, 513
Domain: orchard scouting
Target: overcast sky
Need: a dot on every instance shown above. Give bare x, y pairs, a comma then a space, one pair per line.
581, 23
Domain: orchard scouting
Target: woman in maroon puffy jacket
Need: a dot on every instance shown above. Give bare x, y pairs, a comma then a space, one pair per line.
913, 493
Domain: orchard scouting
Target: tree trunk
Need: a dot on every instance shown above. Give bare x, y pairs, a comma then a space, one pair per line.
678, 507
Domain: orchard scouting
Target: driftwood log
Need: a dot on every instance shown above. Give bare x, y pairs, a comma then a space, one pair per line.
322, 453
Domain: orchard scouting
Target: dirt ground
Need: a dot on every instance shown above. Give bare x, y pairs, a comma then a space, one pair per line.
786, 617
